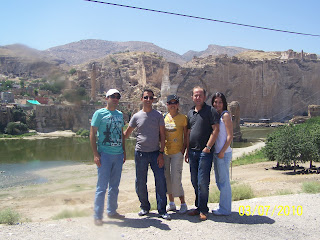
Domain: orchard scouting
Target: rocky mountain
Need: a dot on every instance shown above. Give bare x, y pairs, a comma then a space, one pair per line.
214, 50
21, 61
86, 50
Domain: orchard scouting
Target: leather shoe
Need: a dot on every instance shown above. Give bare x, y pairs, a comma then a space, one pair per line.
116, 216
202, 217
193, 212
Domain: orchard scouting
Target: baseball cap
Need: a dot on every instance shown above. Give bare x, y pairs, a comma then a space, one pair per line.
172, 97
112, 91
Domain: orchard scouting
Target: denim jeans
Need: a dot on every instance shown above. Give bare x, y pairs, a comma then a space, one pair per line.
109, 173
200, 168
142, 161
221, 170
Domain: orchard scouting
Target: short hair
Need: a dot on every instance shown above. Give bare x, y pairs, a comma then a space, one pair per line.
204, 91
223, 98
147, 90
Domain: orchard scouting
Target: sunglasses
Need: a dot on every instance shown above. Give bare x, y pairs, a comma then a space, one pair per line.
146, 97
170, 103
115, 96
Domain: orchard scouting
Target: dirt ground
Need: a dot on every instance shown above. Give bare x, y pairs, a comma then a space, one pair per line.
73, 187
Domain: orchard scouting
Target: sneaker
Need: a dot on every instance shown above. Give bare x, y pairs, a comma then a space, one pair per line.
143, 212
217, 213
116, 216
166, 216
98, 222
183, 208
171, 207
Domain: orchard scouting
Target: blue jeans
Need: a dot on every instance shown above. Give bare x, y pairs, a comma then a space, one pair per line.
109, 173
142, 161
221, 170
200, 168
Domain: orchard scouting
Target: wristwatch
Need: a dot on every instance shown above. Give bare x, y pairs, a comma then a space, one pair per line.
208, 147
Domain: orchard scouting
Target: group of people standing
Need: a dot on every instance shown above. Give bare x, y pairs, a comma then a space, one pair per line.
163, 142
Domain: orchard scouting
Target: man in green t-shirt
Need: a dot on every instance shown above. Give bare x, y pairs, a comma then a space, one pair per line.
108, 146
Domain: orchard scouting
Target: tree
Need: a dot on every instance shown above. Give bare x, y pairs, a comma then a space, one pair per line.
19, 115
294, 143
72, 71
16, 128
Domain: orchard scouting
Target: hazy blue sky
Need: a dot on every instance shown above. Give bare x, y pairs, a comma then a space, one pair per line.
42, 24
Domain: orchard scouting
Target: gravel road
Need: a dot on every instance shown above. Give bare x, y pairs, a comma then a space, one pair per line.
302, 222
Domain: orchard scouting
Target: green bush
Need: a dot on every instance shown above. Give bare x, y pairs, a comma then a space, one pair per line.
311, 187
239, 192
75, 95
19, 115
70, 214
72, 71
8, 216
16, 128
242, 191
83, 132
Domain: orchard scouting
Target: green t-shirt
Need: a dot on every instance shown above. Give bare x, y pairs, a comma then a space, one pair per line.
109, 124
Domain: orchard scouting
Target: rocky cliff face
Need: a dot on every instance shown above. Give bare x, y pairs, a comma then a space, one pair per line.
265, 89
273, 89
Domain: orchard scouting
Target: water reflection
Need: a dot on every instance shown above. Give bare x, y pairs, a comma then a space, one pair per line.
59, 149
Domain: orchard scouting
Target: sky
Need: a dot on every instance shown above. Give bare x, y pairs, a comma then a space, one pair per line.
42, 24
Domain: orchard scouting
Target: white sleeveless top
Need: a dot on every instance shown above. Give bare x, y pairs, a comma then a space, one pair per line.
222, 137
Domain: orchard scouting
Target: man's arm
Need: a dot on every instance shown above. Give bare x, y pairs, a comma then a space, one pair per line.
213, 137
186, 157
93, 143
127, 132
160, 160
124, 147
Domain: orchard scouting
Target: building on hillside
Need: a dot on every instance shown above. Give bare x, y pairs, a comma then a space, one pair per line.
7, 97
42, 100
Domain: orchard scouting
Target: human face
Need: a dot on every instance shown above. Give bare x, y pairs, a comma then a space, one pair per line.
198, 96
173, 106
218, 104
113, 100
147, 99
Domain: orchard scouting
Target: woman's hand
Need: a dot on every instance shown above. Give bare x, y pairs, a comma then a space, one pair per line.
221, 155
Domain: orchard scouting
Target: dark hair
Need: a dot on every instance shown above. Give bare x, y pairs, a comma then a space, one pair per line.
223, 98
198, 87
147, 90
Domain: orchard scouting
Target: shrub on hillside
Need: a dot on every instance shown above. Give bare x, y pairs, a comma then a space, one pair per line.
83, 132
16, 128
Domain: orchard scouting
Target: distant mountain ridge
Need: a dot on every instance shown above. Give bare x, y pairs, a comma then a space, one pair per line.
85, 50
214, 50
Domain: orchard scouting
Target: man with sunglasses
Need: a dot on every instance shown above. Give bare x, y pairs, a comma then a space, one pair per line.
150, 129
108, 146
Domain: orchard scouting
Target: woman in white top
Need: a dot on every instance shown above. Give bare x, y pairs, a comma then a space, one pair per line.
223, 155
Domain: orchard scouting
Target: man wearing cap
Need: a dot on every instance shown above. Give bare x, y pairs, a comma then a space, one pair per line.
149, 124
108, 146
175, 146
203, 130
